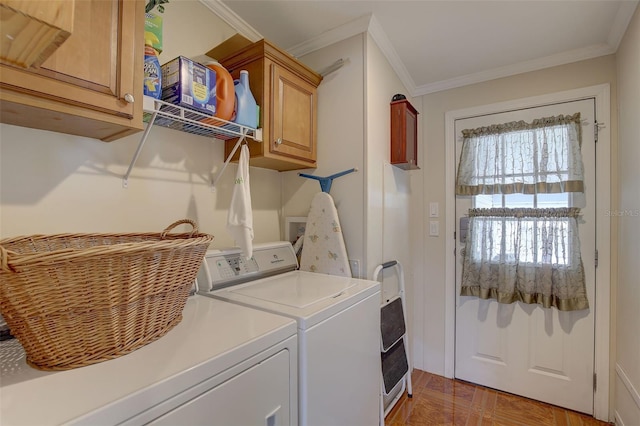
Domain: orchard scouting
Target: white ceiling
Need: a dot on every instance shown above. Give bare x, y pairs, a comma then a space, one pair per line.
437, 45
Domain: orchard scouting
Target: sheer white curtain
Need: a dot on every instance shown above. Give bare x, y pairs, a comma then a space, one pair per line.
527, 255
530, 255
518, 157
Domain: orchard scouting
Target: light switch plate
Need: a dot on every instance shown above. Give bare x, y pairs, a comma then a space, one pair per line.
434, 228
434, 209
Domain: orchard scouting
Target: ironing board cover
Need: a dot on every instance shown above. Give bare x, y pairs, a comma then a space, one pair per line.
324, 250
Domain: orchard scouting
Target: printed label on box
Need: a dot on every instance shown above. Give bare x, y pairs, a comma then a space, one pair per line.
189, 84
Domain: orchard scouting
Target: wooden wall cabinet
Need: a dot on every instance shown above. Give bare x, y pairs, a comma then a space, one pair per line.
92, 84
286, 91
404, 135
32, 30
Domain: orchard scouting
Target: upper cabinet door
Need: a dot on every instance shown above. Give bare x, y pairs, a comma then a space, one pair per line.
294, 115
32, 30
90, 60
286, 91
92, 84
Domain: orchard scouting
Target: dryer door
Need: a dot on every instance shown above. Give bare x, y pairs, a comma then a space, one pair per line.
257, 396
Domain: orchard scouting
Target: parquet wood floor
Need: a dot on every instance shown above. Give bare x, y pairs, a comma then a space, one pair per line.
440, 401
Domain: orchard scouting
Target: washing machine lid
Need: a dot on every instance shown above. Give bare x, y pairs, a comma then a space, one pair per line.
305, 296
295, 290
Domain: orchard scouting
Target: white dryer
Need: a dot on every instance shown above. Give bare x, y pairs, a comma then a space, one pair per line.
338, 321
223, 365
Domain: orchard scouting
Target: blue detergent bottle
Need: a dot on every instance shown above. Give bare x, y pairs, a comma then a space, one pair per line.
246, 107
152, 71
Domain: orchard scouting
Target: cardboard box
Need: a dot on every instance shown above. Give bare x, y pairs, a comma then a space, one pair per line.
189, 84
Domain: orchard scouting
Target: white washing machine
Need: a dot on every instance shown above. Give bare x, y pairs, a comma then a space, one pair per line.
223, 364
338, 322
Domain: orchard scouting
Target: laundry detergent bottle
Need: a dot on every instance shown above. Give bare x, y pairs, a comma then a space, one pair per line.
246, 107
152, 71
224, 92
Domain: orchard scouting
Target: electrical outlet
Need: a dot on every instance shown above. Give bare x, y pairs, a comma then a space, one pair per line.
355, 268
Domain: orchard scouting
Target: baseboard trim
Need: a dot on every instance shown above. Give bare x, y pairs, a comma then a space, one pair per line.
633, 393
627, 384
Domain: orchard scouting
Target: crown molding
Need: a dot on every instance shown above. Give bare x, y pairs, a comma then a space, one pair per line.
519, 68
334, 35
366, 23
621, 22
231, 18
369, 24
385, 45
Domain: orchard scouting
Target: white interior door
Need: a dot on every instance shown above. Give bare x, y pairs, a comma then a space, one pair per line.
539, 353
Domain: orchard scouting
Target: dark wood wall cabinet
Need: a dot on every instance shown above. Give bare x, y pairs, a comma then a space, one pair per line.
404, 135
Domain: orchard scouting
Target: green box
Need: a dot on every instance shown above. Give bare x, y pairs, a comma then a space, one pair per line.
153, 30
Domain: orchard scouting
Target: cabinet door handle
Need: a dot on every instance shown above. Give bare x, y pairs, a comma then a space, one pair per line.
128, 97
278, 141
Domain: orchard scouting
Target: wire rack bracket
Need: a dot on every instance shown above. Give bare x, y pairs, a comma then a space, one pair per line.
163, 114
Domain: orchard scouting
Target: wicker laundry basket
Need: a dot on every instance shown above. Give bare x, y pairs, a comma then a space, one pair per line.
78, 299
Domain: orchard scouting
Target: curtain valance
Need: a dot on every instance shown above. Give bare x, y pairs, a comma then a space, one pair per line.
518, 157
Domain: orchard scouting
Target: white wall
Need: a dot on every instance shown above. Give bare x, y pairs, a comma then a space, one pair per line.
394, 196
388, 188
434, 106
376, 204
53, 182
627, 386
340, 143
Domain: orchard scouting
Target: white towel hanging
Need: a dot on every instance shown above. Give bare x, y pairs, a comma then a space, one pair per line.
240, 217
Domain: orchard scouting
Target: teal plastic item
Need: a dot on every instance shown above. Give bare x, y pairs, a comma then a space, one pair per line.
325, 182
246, 107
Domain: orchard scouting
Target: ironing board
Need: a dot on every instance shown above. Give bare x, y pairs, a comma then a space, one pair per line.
323, 247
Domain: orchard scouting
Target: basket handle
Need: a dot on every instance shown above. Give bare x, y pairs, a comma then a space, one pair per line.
4, 259
180, 222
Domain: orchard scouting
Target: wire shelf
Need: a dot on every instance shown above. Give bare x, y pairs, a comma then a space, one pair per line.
194, 122
164, 114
